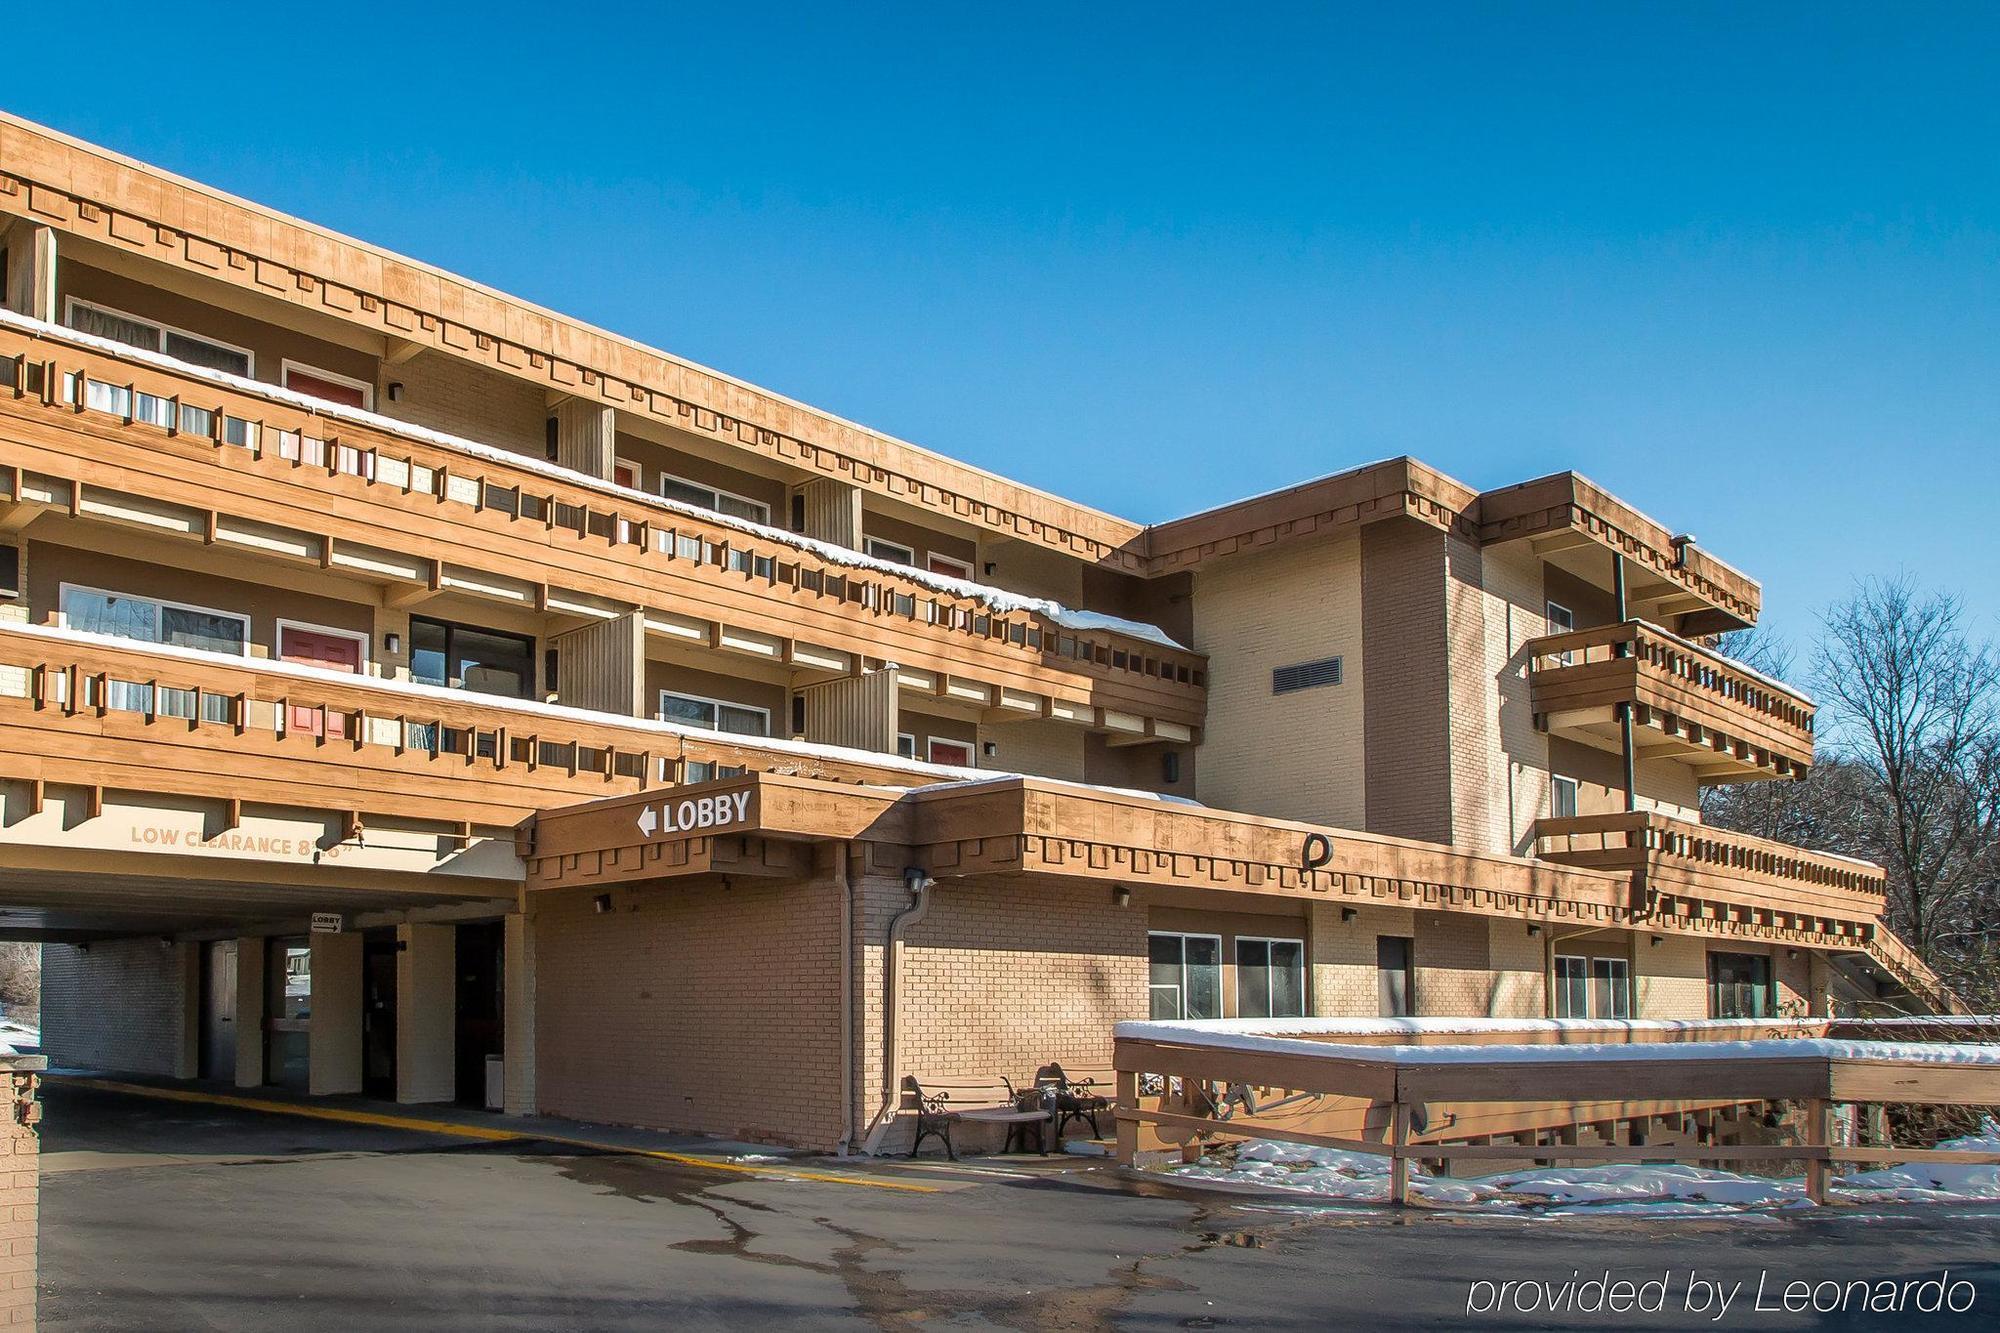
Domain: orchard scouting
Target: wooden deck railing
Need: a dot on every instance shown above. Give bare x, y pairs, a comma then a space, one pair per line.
1181, 1089
78, 711
94, 417
1762, 723
1684, 859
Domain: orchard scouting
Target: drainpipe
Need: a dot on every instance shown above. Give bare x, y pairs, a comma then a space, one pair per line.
920, 885
845, 882
1622, 613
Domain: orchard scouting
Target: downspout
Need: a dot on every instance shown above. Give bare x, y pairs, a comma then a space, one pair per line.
920, 885
845, 883
1620, 611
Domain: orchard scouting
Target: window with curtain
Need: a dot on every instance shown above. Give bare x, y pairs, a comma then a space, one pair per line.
133, 331
149, 620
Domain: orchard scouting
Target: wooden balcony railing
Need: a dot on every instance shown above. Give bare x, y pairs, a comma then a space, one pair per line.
132, 424
1688, 701
1702, 864
82, 711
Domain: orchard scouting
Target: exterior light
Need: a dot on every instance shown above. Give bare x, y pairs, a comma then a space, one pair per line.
1658, 940
1122, 896
989, 748
395, 391
1348, 914
1533, 930
392, 643
602, 903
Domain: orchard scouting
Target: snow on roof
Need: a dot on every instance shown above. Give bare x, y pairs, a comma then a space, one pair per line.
999, 599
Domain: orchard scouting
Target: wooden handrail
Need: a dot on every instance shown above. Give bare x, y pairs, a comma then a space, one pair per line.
1654, 649
140, 396
1649, 833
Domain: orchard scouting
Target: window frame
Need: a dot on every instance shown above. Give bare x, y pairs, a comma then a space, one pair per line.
159, 605
1558, 781
907, 558
1769, 985
1305, 974
1181, 987
1549, 607
660, 488
451, 628
72, 303
901, 737
663, 694
286, 366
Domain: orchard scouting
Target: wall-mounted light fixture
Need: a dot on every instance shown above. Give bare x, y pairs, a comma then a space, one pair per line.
1348, 914
1658, 940
989, 748
1792, 954
990, 567
1122, 896
395, 391
601, 903
1533, 929
392, 644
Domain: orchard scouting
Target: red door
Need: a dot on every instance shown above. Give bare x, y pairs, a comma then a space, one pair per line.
348, 395
334, 652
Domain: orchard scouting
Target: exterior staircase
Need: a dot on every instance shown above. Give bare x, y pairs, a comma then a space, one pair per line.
1900, 961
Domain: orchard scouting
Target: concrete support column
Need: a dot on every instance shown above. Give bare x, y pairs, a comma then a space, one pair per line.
250, 991
426, 1013
833, 512
519, 1020
31, 271
586, 437
334, 1039
187, 1052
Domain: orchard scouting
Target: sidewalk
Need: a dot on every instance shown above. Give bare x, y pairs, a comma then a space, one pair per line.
694, 1150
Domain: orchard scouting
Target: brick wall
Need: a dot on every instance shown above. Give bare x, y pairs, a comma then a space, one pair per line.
1520, 978
692, 1007
1407, 709
1454, 973
1671, 978
448, 394
1343, 958
1041, 746
1298, 755
128, 1005
20, 1200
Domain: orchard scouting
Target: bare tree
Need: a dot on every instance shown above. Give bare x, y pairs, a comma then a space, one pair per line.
21, 981
1906, 695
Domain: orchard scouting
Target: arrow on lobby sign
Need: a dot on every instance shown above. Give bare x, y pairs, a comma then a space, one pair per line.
648, 821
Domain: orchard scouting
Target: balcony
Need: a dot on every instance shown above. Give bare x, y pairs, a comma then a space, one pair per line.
1688, 703
130, 437
78, 710
1689, 870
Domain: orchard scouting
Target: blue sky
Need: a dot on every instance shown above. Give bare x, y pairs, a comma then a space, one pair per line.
1736, 263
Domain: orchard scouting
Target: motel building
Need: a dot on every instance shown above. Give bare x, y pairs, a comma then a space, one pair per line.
414, 693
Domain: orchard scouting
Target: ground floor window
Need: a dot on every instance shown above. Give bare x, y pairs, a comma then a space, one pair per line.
1186, 975
1593, 987
1739, 986
1270, 978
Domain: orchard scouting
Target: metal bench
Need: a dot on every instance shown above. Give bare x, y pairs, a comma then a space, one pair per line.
944, 1099
1077, 1094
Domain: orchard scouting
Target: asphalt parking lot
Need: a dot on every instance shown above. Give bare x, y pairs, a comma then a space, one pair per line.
175, 1215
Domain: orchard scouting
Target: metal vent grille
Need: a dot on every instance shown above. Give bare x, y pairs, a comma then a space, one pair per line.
1305, 675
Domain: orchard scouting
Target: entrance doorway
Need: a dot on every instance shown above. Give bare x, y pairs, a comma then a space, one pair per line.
288, 1030
218, 1010
481, 1006
378, 1014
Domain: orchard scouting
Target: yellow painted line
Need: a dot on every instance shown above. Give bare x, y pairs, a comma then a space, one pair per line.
486, 1133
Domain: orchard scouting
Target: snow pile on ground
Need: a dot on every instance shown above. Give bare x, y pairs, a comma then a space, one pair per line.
1648, 1190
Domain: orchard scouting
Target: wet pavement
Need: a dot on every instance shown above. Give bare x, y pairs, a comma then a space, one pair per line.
164, 1215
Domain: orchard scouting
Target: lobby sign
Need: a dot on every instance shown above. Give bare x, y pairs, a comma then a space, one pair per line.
716, 812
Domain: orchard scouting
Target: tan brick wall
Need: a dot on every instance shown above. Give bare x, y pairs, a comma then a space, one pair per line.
1670, 978
1519, 987
1043, 747
426, 1008
448, 394
120, 1004
1407, 708
20, 1205
1473, 624
1454, 976
1300, 755
1343, 958
692, 1007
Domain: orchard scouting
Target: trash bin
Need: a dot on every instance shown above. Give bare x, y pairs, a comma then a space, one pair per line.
496, 1083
